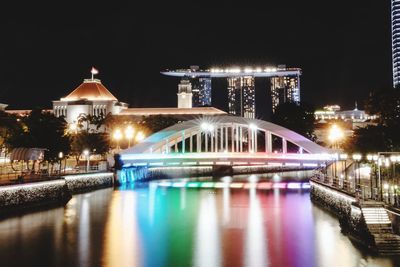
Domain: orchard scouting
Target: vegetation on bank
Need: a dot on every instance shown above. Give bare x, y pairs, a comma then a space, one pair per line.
41, 129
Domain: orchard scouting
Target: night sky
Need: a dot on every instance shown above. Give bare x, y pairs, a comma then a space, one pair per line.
343, 47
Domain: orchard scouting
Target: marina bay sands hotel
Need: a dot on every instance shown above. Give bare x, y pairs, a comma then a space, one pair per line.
194, 88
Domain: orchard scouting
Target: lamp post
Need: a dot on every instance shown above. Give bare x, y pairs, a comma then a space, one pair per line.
129, 131
86, 153
60, 156
335, 135
357, 158
344, 157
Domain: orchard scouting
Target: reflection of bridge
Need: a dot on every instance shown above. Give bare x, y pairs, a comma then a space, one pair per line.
225, 140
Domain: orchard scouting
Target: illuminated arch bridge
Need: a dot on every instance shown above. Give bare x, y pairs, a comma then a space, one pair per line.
225, 140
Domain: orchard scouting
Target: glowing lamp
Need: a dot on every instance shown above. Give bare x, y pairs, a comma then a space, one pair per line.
117, 135
140, 136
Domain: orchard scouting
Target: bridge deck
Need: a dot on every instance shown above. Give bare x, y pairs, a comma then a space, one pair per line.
225, 159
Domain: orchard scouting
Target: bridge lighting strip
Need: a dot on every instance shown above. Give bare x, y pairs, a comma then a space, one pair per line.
236, 185
292, 164
310, 165
222, 163
189, 163
156, 164
214, 155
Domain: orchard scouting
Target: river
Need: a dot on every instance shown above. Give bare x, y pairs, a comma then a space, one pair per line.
252, 220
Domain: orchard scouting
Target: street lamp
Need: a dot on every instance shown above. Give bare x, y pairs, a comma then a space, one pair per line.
344, 158
117, 135
86, 153
357, 158
335, 135
60, 156
129, 131
140, 136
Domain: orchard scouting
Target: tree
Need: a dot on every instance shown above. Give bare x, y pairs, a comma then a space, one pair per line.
384, 136
372, 138
386, 105
298, 118
97, 143
10, 127
42, 130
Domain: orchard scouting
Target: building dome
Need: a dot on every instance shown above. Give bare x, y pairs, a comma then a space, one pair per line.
90, 89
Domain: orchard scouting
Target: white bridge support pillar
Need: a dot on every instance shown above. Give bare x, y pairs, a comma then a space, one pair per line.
249, 140
216, 139
198, 142
226, 138
284, 146
268, 142
255, 141
233, 139
221, 138
212, 141
206, 141
241, 139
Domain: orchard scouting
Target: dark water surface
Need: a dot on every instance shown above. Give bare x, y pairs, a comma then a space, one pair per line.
181, 226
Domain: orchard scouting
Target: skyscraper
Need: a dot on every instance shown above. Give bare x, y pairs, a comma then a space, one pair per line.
204, 92
284, 86
201, 90
285, 89
241, 96
396, 42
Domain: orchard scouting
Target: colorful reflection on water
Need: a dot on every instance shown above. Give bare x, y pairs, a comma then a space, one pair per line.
257, 223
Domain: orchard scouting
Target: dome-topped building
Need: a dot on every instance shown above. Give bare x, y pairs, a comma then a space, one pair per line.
89, 98
90, 89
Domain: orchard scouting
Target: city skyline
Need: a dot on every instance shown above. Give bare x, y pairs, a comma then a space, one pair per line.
342, 60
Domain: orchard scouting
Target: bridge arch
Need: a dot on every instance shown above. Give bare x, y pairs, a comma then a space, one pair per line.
224, 134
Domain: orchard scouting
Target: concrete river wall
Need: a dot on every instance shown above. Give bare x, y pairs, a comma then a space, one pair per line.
47, 193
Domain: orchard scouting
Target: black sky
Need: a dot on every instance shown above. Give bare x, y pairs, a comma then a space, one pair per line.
47, 49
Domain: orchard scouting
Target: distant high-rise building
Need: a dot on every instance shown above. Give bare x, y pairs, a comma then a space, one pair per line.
201, 90
184, 94
241, 96
396, 42
284, 86
285, 89
204, 92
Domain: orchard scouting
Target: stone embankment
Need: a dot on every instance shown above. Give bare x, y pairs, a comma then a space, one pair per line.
366, 222
48, 193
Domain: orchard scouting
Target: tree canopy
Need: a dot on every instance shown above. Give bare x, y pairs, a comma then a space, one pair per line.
384, 136
42, 130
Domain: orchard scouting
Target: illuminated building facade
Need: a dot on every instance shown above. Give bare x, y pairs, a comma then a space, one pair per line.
89, 98
396, 42
184, 94
285, 89
204, 92
241, 96
284, 86
201, 91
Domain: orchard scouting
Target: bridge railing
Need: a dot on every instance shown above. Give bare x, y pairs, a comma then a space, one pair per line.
360, 191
